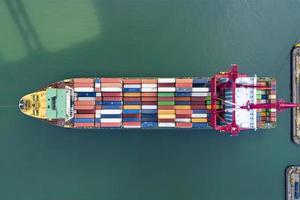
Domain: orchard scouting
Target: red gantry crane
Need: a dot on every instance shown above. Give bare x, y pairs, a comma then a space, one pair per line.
218, 87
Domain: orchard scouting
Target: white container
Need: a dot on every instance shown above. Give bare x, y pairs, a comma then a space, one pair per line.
111, 120
200, 89
200, 94
166, 80
130, 126
86, 98
166, 89
111, 89
111, 111
84, 89
149, 107
97, 85
182, 120
149, 89
132, 86
200, 115
166, 124
149, 85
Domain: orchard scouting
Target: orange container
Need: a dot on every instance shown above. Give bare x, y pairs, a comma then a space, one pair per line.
111, 80
78, 125
184, 112
84, 103
149, 94
131, 123
149, 98
184, 80
132, 81
149, 81
83, 80
84, 116
111, 85
89, 107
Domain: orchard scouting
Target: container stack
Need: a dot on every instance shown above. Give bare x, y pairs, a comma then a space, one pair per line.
84, 104
266, 117
272, 116
98, 102
201, 102
183, 103
132, 103
166, 102
111, 112
149, 103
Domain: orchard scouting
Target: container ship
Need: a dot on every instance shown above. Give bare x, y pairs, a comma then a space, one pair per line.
227, 102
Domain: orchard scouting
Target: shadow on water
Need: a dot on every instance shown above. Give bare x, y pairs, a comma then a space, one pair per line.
24, 25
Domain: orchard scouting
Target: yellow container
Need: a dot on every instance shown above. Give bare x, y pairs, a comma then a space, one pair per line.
199, 119
166, 116
166, 111
131, 107
182, 107
132, 94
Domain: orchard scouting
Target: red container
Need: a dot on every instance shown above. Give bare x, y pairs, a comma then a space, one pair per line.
182, 98
132, 99
85, 107
98, 107
92, 111
111, 85
112, 98
184, 124
166, 120
98, 125
111, 124
197, 102
196, 107
149, 99
83, 125
131, 123
184, 80
112, 94
84, 115
132, 115
183, 112
183, 115
166, 84
149, 94
149, 103
198, 98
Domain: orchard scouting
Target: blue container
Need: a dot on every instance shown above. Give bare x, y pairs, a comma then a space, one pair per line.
131, 111
149, 115
264, 96
146, 119
182, 103
132, 103
97, 120
97, 80
112, 103
149, 111
200, 125
183, 94
98, 103
131, 119
184, 89
149, 124
131, 89
200, 80
84, 120
111, 107
111, 115
199, 111
296, 189
86, 94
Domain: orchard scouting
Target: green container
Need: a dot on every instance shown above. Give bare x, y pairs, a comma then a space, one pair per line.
166, 94
166, 103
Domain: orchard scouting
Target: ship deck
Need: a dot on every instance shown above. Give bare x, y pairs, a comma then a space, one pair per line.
295, 93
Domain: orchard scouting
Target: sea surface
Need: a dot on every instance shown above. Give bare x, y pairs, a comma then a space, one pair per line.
47, 41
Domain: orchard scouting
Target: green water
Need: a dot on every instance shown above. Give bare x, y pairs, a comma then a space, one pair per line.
46, 41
